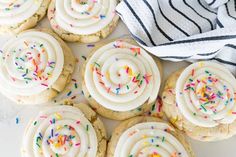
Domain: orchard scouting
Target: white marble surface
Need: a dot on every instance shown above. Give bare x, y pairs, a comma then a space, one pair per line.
11, 133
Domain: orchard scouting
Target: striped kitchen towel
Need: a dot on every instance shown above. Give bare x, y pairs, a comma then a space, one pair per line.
184, 29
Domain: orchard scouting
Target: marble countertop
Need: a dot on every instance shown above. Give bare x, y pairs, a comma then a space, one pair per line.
14, 118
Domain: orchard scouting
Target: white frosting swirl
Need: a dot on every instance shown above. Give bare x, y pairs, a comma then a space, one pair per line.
122, 77
84, 17
60, 131
205, 94
30, 63
16, 11
149, 139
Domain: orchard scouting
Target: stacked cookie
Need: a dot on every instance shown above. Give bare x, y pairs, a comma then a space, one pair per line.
120, 81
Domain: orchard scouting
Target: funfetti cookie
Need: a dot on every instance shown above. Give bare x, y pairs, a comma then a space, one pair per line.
35, 66
147, 137
19, 15
200, 100
120, 79
68, 131
83, 21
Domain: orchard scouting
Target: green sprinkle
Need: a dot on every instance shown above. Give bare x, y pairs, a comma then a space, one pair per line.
76, 86
141, 82
127, 86
226, 103
35, 122
83, 3
137, 77
206, 103
192, 88
38, 145
21, 68
84, 57
87, 127
38, 139
26, 78
97, 64
163, 139
203, 108
153, 107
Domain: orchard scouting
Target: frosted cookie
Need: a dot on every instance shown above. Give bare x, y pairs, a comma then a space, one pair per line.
19, 15
120, 80
147, 137
83, 21
65, 131
35, 66
200, 100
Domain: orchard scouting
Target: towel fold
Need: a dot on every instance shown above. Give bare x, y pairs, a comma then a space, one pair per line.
179, 30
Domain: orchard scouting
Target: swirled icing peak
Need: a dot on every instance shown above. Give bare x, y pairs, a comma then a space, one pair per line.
30, 63
205, 94
150, 139
84, 17
60, 131
16, 11
122, 77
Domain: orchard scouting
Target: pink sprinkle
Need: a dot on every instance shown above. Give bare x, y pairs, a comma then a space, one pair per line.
77, 144
159, 101
127, 70
43, 84
44, 117
13, 79
108, 90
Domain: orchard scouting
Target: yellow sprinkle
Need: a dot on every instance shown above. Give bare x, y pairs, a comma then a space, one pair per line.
173, 120
58, 127
107, 74
58, 116
144, 136
201, 64
41, 152
155, 155
57, 145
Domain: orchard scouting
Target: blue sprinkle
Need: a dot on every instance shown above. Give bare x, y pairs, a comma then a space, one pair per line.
17, 120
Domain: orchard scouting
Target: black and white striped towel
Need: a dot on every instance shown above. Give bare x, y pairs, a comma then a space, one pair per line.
184, 29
